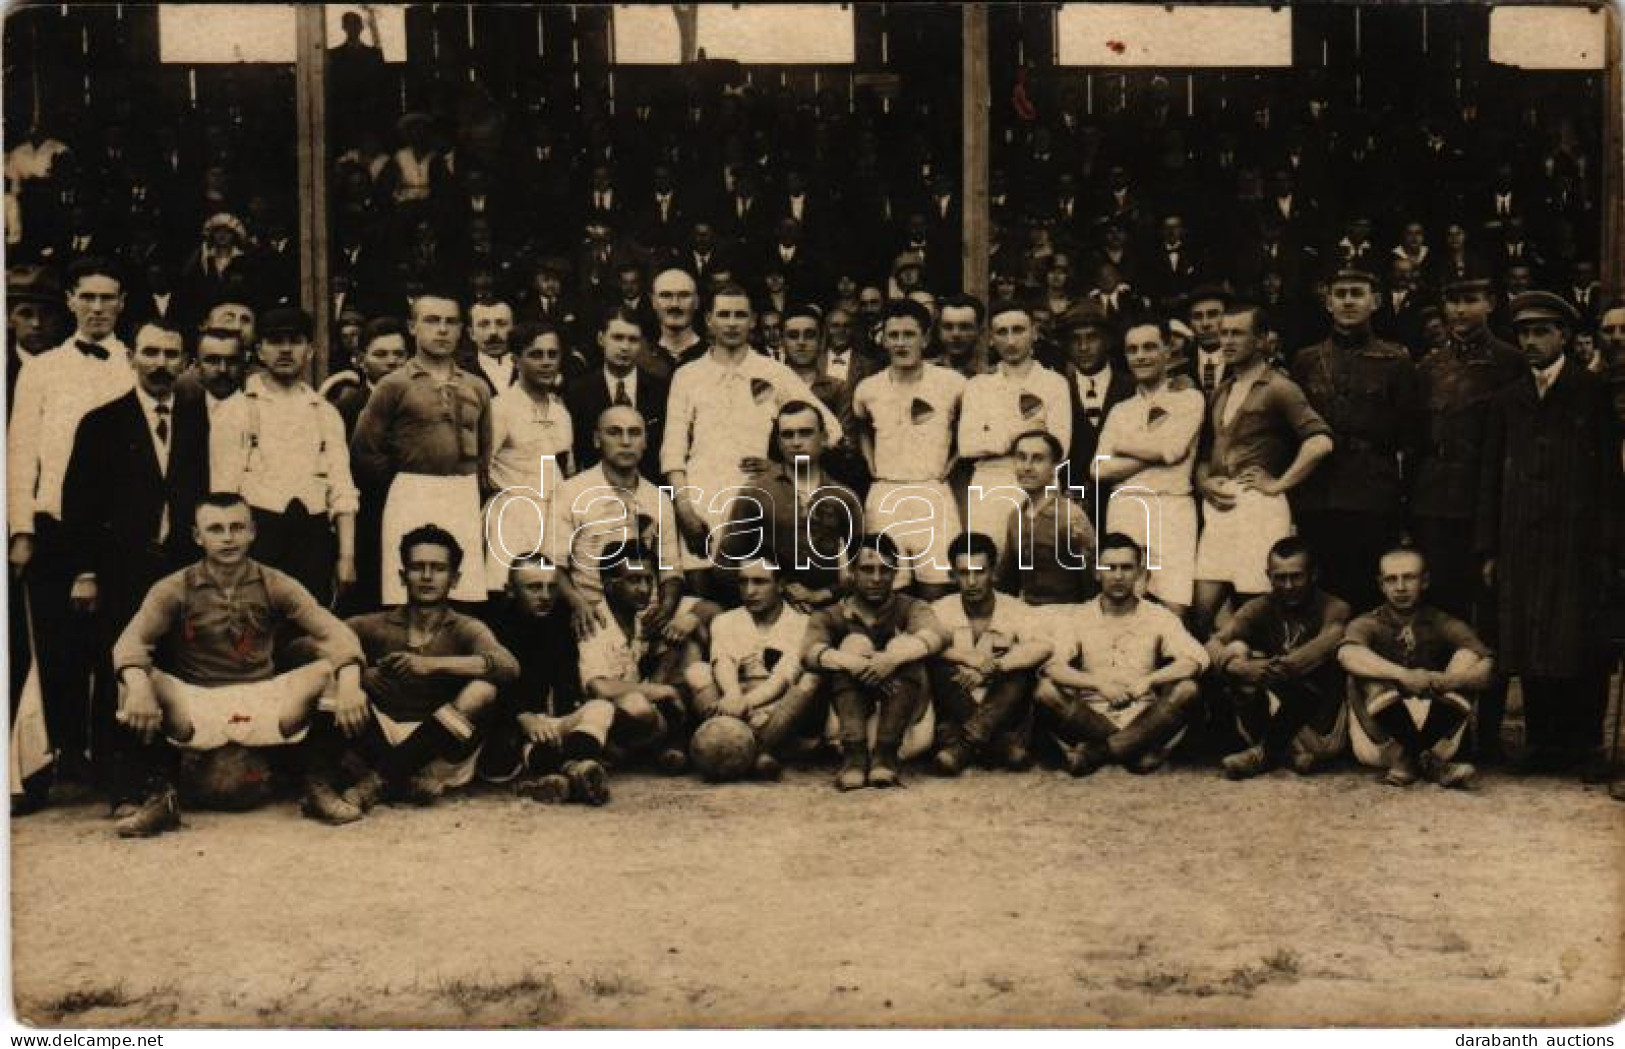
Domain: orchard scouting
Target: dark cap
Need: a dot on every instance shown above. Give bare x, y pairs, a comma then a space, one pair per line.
1086, 314
1475, 279
29, 282
1543, 306
553, 264
286, 320
1345, 274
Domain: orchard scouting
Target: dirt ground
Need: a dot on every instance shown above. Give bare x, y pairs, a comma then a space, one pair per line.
997, 899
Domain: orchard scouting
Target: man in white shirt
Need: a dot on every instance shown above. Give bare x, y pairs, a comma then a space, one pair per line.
755, 672
1148, 450
54, 391
908, 413
982, 683
1121, 684
490, 325
282, 446
719, 420
1018, 395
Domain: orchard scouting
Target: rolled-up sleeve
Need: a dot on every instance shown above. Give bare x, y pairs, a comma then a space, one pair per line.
158, 613
335, 641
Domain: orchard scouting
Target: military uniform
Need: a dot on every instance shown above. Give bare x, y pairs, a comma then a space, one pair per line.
1352, 507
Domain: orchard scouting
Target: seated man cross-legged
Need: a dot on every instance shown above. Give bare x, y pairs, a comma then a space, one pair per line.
216, 622
432, 677
982, 683
1121, 685
1412, 665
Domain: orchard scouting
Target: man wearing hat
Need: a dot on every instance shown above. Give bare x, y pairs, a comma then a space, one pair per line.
282, 446
33, 299
1548, 530
1097, 384
1458, 382
1352, 508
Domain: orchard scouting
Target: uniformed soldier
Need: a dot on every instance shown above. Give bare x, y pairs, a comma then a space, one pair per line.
1366, 389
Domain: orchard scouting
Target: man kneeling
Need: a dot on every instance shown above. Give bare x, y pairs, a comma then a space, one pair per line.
982, 683
871, 646
432, 676
755, 672
217, 621
1121, 685
1411, 664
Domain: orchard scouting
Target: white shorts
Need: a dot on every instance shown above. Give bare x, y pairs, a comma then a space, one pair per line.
451, 502
989, 512
442, 773
926, 523
513, 528
1171, 547
248, 715
1235, 543
1367, 751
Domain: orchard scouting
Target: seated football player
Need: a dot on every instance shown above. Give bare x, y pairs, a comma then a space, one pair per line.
755, 672
1045, 558
432, 677
1121, 684
543, 731
982, 683
871, 648
216, 622
1277, 661
1413, 668
637, 661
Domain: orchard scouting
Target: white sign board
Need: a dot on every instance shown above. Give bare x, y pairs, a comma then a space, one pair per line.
754, 34
206, 34
1548, 37
1184, 36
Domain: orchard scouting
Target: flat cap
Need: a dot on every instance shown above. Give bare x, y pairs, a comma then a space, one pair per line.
907, 260
1543, 305
1086, 314
1353, 273
29, 282
286, 320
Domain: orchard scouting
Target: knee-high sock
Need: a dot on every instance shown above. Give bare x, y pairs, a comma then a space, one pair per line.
852, 707
1160, 720
1006, 700
1396, 721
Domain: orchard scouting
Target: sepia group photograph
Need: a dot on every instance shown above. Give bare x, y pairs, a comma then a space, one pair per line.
844, 516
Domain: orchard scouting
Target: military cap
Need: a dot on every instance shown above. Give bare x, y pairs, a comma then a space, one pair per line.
1543, 305
1353, 273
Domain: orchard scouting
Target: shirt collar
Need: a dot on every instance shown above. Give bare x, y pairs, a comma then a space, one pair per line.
198, 577
1545, 377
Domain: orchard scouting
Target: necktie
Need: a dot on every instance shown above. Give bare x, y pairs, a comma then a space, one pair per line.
1091, 408
621, 399
162, 429
91, 349
1210, 374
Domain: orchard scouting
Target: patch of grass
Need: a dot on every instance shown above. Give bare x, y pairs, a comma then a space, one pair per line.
610, 985
532, 996
84, 999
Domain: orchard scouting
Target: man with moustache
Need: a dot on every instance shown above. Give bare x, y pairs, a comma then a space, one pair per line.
282, 447
138, 469
676, 300
489, 326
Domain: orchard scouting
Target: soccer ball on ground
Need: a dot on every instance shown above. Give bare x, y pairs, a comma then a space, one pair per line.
723, 749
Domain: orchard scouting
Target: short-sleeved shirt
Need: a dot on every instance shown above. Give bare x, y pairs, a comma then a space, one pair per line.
1263, 625
1123, 648
1011, 624
913, 422
757, 651
589, 515
1428, 641
1272, 421
383, 633
610, 653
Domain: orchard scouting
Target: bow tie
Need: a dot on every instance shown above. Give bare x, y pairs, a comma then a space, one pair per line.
91, 349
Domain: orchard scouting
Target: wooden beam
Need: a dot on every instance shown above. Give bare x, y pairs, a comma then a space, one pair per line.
1612, 268
310, 99
974, 177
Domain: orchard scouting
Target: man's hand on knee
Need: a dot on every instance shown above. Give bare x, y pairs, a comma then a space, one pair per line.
138, 708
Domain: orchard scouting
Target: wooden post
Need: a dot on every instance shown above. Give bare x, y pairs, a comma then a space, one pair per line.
1612, 268
974, 177
310, 98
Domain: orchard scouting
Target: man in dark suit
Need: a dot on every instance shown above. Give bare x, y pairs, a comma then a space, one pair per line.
138, 468
1095, 383
620, 382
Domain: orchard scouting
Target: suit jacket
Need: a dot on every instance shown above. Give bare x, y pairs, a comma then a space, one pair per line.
1086, 437
587, 397
114, 497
